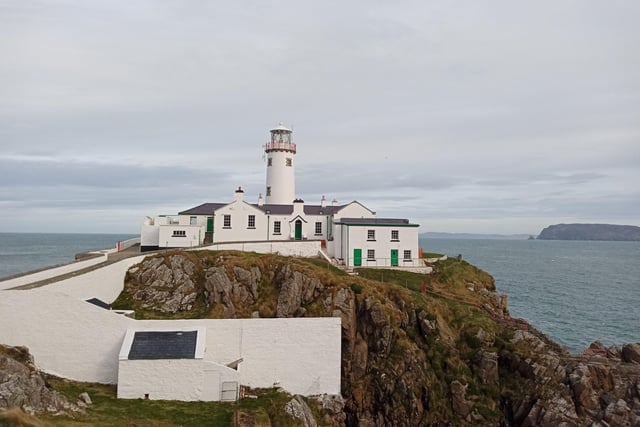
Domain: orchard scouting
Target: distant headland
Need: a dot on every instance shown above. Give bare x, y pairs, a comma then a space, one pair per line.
609, 232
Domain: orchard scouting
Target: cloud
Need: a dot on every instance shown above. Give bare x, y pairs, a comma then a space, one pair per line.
455, 115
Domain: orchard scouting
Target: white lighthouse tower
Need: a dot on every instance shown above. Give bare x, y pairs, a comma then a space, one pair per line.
281, 180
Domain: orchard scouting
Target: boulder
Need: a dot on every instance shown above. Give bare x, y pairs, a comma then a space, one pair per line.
23, 386
631, 353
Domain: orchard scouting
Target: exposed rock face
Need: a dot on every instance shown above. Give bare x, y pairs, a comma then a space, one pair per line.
299, 409
409, 359
631, 353
22, 385
168, 285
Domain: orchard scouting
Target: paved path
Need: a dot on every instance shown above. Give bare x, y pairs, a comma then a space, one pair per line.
101, 277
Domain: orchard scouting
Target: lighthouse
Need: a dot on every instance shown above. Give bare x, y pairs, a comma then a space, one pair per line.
280, 153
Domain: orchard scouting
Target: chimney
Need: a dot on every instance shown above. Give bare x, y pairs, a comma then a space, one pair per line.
323, 202
334, 202
239, 196
260, 200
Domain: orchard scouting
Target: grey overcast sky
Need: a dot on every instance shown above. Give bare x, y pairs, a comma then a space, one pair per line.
482, 116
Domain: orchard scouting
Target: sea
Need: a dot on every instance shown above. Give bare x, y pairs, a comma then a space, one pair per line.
24, 252
576, 292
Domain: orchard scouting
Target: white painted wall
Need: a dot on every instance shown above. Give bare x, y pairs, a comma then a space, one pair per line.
77, 340
149, 234
239, 230
173, 379
354, 210
168, 236
281, 178
355, 237
301, 248
68, 337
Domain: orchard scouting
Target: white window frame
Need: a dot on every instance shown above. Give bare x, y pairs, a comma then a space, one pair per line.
318, 228
371, 235
406, 255
277, 227
179, 233
371, 254
226, 221
251, 221
288, 161
395, 235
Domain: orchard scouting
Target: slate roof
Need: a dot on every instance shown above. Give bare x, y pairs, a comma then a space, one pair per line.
209, 208
376, 221
155, 345
203, 209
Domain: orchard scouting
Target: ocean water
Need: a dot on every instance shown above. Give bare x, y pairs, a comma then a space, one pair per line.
23, 252
574, 291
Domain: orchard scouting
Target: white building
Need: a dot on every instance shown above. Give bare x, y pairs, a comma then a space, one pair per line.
188, 360
350, 233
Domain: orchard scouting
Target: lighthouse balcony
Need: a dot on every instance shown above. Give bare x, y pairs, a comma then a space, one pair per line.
280, 146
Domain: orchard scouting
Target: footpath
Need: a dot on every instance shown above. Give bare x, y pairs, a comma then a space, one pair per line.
48, 276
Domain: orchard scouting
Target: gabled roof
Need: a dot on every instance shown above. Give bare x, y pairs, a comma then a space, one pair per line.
154, 345
209, 208
399, 222
203, 209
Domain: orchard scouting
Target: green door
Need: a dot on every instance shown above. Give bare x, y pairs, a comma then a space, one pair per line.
298, 230
394, 257
357, 257
209, 224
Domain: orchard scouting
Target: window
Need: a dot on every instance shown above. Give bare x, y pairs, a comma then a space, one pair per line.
252, 221
407, 256
276, 227
269, 161
193, 220
395, 236
289, 161
227, 221
268, 191
318, 228
371, 234
179, 233
371, 255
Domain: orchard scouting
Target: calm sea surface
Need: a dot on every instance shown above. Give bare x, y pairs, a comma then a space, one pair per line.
23, 252
575, 292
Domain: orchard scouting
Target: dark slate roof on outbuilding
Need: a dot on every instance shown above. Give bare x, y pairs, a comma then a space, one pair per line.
154, 345
377, 221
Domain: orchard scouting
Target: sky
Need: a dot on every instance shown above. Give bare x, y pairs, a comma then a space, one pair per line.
479, 116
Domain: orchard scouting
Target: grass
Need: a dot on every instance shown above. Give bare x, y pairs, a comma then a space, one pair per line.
267, 408
107, 410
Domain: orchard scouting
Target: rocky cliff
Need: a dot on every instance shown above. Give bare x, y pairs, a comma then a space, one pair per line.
416, 350
591, 232
23, 386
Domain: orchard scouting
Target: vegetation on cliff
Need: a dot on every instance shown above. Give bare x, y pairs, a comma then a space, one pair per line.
609, 232
432, 350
